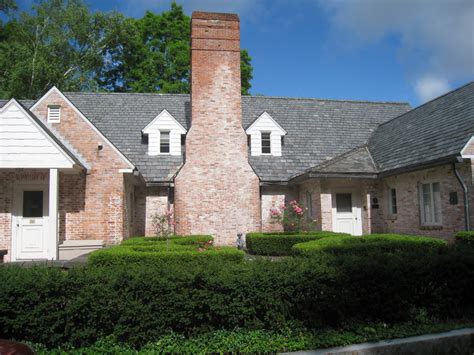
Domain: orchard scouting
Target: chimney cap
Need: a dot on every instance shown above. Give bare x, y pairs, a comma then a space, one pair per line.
218, 16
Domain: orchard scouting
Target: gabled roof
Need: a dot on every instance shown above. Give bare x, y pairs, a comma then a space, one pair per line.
55, 90
435, 131
156, 120
355, 161
317, 129
265, 115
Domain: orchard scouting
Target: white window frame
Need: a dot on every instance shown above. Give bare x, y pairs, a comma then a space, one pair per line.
269, 140
169, 142
55, 120
432, 218
391, 205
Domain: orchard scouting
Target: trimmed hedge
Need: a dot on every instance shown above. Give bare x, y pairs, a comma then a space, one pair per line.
139, 304
368, 244
155, 251
280, 243
159, 255
465, 238
181, 240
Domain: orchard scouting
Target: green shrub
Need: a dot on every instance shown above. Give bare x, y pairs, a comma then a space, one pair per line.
465, 238
157, 251
181, 240
369, 244
280, 244
138, 304
158, 255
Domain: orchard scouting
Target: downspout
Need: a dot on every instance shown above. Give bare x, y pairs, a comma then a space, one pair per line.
466, 197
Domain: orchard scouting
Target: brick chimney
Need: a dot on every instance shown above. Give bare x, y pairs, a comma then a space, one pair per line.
216, 191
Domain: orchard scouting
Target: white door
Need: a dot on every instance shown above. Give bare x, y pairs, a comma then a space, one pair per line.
347, 213
30, 234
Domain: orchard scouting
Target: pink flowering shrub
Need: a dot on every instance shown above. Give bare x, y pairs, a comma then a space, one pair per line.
292, 217
163, 224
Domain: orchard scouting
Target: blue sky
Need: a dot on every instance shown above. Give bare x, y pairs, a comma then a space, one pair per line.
383, 50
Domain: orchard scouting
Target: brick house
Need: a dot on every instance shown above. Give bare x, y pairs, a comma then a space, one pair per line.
79, 170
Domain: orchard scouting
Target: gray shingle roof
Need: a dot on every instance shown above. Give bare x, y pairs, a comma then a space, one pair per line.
355, 161
121, 118
438, 129
318, 129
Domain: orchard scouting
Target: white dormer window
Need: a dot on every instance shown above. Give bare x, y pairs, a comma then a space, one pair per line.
265, 136
164, 135
54, 113
266, 143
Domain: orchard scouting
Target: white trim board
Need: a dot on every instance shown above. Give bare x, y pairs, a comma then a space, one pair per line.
94, 128
467, 156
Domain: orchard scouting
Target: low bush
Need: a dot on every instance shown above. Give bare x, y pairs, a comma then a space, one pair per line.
374, 243
280, 243
158, 251
138, 304
158, 255
180, 240
465, 239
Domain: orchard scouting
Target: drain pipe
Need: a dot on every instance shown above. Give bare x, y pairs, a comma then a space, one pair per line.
466, 197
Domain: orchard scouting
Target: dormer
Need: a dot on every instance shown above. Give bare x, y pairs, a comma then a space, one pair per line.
164, 135
265, 136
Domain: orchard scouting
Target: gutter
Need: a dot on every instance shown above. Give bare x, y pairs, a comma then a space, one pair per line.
466, 197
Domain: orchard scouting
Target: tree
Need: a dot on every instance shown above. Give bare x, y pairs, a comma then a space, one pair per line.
60, 43
246, 71
153, 56
7, 6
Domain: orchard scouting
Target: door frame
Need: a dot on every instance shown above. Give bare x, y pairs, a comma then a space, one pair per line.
17, 212
356, 208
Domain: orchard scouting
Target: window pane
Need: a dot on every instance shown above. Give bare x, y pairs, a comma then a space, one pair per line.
393, 196
344, 202
164, 142
32, 203
427, 213
266, 143
309, 204
436, 202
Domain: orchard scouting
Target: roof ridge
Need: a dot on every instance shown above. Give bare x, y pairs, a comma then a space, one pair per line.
422, 105
331, 100
247, 96
123, 93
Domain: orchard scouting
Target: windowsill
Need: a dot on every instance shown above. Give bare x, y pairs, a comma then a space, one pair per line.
431, 227
392, 217
266, 154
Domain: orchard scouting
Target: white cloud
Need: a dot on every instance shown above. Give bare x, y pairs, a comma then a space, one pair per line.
436, 37
428, 88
